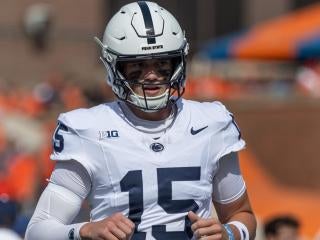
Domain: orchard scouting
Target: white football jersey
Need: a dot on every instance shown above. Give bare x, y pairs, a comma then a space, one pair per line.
154, 182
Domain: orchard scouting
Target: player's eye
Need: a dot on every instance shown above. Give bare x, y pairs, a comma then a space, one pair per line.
165, 63
134, 75
138, 64
165, 72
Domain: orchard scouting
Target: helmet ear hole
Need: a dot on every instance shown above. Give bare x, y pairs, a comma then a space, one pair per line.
120, 68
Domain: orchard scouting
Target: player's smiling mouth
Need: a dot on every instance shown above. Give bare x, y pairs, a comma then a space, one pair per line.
152, 90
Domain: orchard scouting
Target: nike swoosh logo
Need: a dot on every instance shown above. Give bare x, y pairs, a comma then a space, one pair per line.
194, 132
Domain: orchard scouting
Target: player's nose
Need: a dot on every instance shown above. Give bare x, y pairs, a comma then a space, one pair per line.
152, 75
151, 71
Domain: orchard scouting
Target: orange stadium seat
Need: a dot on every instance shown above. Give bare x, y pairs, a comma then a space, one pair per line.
20, 180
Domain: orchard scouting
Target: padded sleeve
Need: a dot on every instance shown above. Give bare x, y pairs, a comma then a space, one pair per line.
56, 209
59, 203
73, 176
228, 184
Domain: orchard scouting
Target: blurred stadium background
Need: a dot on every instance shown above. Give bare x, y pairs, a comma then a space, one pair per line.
261, 58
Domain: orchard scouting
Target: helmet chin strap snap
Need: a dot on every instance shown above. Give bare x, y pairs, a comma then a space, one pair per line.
150, 104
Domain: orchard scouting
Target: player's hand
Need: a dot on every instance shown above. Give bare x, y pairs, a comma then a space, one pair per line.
115, 227
207, 228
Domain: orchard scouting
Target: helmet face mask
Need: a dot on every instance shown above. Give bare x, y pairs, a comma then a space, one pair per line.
129, 38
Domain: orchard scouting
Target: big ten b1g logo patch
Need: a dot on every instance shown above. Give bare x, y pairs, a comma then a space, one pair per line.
108, 134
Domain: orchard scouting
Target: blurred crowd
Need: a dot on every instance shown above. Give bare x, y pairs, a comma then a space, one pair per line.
28, 118
243, 79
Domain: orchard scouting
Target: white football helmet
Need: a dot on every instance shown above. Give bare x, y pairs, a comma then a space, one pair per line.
144, 30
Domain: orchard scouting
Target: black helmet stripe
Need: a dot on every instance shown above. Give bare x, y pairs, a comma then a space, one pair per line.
147, 21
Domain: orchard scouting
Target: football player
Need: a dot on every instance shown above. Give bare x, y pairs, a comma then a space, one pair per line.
150, 163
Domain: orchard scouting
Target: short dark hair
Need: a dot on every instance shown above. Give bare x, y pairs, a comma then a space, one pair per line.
272, 226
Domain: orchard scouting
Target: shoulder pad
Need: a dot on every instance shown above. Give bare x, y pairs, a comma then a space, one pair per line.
79, 119
221, 114
232, 139
212, 112
222, 124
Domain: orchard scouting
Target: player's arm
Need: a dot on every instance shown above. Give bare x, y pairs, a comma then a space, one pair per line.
59, 203
231, 200
238, 215
231, 203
